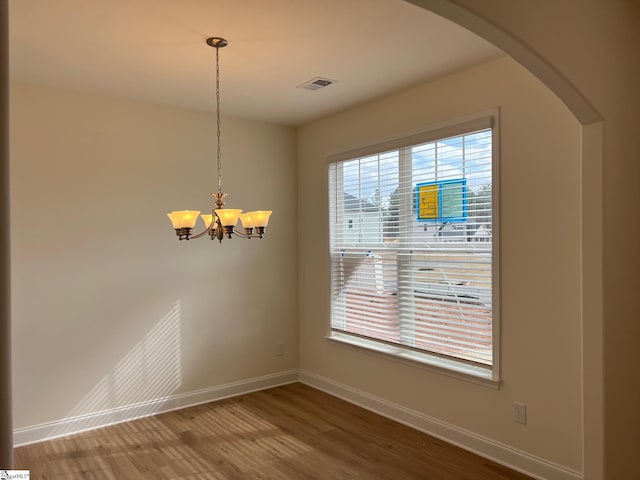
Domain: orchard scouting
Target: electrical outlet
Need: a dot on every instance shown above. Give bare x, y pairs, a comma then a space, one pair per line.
279, 349
520, 413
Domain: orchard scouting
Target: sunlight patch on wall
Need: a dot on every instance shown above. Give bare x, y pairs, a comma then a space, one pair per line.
137, 385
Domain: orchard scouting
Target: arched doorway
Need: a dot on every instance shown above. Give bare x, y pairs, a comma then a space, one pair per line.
591, 260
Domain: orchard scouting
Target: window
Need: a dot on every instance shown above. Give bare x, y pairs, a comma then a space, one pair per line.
412, 247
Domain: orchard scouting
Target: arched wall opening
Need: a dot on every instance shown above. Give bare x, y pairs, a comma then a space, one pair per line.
591, 217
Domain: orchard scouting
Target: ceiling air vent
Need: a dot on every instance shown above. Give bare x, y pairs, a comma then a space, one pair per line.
317, 83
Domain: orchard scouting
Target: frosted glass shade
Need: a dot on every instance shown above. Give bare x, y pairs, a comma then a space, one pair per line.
183, 218
247, 220
260, 217
207, 218
228, 216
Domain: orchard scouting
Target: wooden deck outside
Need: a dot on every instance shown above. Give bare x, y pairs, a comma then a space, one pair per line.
433, 331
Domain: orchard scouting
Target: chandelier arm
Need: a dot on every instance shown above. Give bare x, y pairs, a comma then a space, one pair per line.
247, 235
214, 221
242, 235
201, 234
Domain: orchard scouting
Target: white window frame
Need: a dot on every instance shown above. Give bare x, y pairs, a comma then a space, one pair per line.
483, 375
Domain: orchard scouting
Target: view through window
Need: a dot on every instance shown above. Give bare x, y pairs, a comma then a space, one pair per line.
411, 241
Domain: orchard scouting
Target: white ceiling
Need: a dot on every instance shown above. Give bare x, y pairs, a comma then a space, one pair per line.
155, 50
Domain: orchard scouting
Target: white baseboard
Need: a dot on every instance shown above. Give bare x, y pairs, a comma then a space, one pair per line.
483, 446
69, 426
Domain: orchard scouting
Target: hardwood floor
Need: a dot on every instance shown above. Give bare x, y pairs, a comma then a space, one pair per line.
289, 432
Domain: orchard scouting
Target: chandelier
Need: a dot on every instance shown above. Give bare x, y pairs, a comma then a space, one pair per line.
221, 221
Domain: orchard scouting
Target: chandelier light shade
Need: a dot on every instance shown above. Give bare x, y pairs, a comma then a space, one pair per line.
221, 222
184, 218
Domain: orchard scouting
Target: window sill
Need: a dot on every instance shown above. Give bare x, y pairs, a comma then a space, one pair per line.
443, 366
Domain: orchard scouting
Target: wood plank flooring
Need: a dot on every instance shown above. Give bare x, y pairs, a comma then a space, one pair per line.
289, 432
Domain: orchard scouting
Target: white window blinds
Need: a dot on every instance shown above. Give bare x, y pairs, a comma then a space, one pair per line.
411, 240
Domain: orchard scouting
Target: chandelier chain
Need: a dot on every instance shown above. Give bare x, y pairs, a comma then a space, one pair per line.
219, 146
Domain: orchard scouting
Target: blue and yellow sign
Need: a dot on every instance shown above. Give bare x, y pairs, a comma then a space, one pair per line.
444, 201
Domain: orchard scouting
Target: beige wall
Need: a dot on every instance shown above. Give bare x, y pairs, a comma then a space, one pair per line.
540, 255
109, 308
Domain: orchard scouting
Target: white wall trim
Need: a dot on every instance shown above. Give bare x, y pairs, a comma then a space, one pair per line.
483, 446
77, 424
